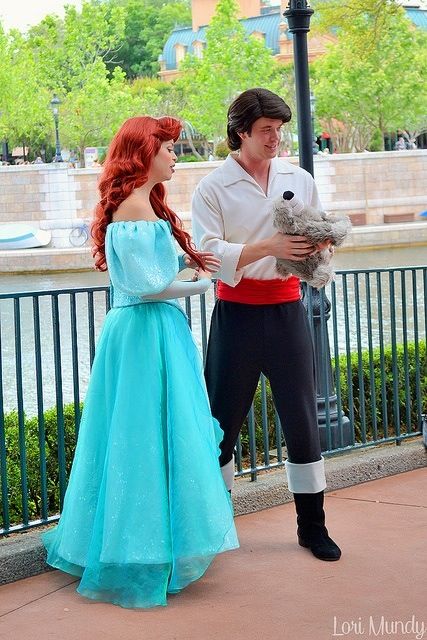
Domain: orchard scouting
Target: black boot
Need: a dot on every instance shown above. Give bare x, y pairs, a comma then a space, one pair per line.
312, 532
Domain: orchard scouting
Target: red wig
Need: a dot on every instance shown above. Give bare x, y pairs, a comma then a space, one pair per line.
126, 168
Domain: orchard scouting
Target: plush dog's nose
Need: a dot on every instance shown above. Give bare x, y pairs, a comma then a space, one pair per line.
288, 195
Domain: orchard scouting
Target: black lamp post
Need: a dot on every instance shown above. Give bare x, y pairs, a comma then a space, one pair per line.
334, 427
54, 103
298, 15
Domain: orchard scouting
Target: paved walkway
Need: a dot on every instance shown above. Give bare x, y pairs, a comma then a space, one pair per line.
270, 587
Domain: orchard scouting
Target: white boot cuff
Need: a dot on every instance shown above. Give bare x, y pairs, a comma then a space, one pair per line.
228, 474
306, 478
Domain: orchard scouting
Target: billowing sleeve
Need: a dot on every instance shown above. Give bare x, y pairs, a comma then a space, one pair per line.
208, 234
141, 257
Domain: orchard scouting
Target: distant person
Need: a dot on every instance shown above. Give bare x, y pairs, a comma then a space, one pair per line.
38, 160
72, 162
400, 144
146, 508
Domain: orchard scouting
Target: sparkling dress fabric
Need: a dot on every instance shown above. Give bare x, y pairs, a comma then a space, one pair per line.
146, 509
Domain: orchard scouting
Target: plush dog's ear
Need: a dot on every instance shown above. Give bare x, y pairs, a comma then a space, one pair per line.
288, 195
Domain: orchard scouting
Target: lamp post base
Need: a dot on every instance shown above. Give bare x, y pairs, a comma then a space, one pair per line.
336, 432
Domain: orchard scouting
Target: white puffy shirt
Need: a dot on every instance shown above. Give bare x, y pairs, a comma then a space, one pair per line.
230, 209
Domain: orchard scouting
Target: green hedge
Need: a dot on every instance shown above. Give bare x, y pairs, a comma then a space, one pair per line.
50, 420
32, 449
373, 401
355, 385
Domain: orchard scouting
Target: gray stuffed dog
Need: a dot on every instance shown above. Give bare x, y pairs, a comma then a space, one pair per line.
292, 217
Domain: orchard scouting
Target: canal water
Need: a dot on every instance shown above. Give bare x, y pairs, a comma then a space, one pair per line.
19, 351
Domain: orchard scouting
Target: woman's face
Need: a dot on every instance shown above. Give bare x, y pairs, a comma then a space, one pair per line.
163, 164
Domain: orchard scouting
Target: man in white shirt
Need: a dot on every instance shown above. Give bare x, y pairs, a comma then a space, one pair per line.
259, 323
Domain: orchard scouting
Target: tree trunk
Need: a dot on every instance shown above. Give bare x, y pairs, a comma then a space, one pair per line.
82, 157
190, 142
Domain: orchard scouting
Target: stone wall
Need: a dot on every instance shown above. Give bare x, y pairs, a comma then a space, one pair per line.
372, 188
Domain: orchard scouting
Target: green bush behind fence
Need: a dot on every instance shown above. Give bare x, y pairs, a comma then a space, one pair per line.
378, 401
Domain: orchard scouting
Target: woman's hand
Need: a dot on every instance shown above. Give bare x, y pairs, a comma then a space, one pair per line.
201, 273
211, 261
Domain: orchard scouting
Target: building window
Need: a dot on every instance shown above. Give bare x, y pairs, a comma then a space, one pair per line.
198, 48
258, 35
180, 51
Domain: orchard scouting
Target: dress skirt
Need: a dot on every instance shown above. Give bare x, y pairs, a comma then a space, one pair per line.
146, 509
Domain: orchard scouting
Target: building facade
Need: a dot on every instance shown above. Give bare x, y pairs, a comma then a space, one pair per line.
260, 18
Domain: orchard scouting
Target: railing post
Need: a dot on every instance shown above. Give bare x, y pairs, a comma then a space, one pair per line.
298, 15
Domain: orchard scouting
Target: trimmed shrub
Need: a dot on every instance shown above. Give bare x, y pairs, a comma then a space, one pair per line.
371, 398
365, 399
32, 461
368, 396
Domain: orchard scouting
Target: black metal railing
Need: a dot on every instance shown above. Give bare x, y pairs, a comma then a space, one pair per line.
370, 344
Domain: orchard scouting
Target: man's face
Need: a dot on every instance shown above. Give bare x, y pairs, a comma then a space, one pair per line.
263, 141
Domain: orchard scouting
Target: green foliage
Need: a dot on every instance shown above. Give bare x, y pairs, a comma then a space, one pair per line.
147, 27
77, 58
188, 158
32, 449
344, 16
155, 97
370, 401
350, 378
377, 142
67, 57
221, 149
66, 47
384, 412
23, 98
230, 64
93, 111
372, 77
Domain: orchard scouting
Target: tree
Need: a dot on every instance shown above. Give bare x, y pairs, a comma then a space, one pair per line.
25, 118
344, 16
92, 112
372, 78
64, 48
147, 27
231, 63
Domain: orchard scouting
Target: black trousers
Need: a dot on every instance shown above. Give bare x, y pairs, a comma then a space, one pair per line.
274, 339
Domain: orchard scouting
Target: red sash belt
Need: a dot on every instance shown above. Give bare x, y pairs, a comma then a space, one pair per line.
251, 291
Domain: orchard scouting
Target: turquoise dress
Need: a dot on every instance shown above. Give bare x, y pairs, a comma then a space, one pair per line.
146, 509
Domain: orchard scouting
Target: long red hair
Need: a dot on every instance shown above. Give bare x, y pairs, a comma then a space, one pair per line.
126, 168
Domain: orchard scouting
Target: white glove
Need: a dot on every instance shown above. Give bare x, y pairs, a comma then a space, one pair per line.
182, 289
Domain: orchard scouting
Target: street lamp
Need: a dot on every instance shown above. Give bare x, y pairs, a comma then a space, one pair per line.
54, 103
298, 15
334, 426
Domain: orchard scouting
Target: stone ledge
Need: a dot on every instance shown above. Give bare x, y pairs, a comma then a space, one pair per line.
80, 259
22, 555
343, 470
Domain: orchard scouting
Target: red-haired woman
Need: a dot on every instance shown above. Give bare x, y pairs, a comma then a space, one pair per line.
146, 508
